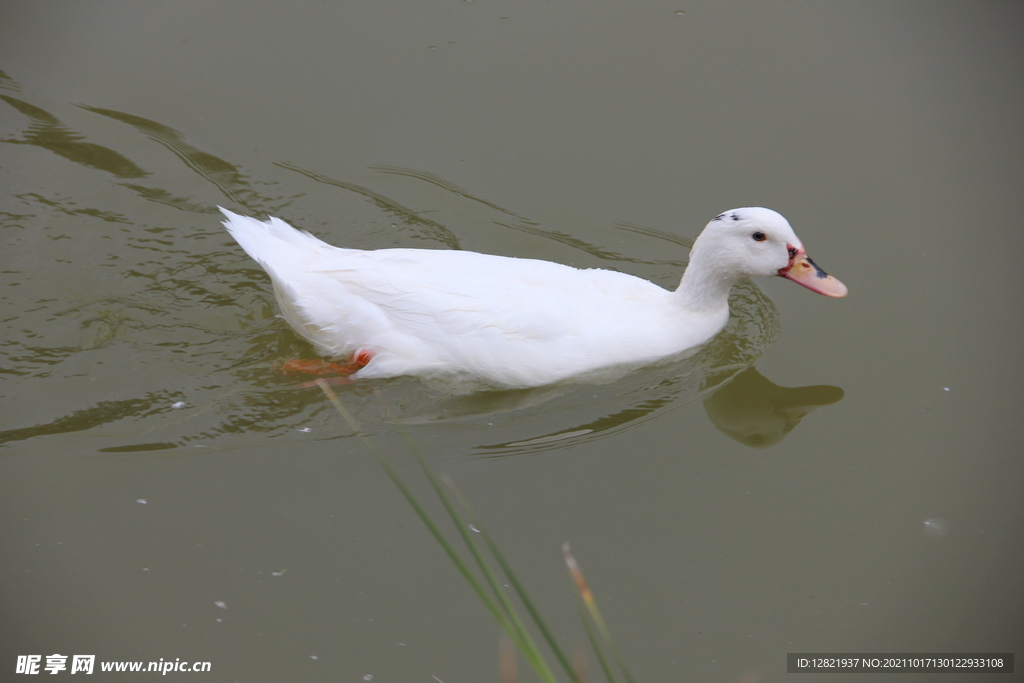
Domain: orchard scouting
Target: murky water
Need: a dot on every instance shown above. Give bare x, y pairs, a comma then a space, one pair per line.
825, 476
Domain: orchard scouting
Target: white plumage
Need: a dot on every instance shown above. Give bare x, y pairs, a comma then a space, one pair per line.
512, 322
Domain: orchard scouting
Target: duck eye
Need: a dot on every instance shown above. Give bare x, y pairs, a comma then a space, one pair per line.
759, 237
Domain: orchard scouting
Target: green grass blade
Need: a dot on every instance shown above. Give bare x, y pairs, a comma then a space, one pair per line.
501, 609
527, 646
587, 597
524, 640
420, 511
595, 645
517, 586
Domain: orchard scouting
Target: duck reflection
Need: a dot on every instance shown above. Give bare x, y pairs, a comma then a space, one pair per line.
745, 406
759, 413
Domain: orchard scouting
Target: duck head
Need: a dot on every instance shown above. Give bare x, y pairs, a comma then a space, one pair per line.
755, 242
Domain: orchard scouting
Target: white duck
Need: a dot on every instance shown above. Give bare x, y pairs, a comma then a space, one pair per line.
512, 322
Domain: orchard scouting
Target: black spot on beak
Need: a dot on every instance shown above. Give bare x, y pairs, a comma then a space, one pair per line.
821, 274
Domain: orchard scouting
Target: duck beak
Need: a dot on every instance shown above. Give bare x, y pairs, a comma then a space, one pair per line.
803, 271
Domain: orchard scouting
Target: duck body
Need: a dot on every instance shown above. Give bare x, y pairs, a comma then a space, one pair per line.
510, 322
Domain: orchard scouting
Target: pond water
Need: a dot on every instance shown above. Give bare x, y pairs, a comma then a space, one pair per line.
825, 476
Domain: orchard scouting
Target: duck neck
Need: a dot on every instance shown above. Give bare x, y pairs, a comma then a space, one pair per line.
703, 289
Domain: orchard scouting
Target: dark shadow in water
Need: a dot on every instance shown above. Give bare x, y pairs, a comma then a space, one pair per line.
101, 414
400, 213
46, 131
8, 83
523, 224
225, 176
452, 188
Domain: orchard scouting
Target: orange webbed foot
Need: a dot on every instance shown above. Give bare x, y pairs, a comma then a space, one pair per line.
319, 368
